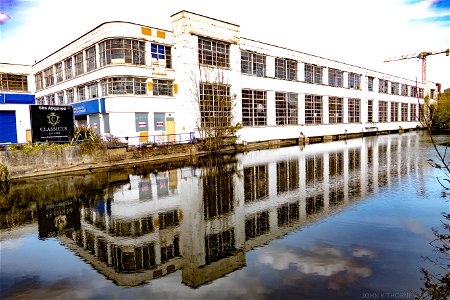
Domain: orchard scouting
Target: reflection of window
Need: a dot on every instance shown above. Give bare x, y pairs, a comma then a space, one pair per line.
219, 246
162, 186
288, 213
254, 108
286, 108
253, 63
287, 176
336, 164
257, 225
168, 219
218, 194
59, 72
314, 204
91, 63
213, 53
48, 77
79, 68
336, 110
314, 168
138, 258
256, 182
145, 190
170, 251
354, 159
68, 70
336, 194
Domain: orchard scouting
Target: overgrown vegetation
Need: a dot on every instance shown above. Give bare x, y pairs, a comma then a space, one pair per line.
437, 283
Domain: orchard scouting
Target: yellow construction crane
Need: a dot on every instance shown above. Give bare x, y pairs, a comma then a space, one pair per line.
423, 56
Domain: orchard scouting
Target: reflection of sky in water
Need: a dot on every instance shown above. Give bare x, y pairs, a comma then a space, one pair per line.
372, 246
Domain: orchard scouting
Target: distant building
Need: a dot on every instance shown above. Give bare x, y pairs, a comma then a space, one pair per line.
16, 93
136, 82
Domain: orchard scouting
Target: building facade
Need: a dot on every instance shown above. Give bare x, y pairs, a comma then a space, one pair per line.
134, 82
16, 93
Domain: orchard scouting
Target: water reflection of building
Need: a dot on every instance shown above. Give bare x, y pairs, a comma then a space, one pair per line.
203, 221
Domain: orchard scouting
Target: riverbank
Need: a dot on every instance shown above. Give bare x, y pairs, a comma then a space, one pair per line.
54, 162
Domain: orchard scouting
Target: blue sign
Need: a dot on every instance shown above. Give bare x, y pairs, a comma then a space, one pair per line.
17, 98
88, 107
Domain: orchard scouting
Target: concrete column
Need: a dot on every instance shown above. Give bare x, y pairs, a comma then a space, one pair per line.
326, 180
271, 108
301, 71
272, 168
345, 110
325, 76
325, 110
270, 66
345, 81
364, 110
301, 108
376, 110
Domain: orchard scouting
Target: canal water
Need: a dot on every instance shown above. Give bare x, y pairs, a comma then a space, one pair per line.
348, 219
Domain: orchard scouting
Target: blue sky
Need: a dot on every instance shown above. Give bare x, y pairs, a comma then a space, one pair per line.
360, 32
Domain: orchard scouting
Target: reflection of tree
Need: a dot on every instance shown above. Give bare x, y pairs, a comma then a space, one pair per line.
437, 285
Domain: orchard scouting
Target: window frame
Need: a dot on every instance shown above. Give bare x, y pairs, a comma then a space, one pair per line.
162, 87
254, 107
313, 109
213, 53
335, 110
335, 77
354, 110
253, 63
286, 108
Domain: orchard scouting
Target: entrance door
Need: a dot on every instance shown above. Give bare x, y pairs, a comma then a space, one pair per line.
8, 130
170, 129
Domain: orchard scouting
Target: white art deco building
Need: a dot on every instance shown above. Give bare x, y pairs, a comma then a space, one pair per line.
142, 83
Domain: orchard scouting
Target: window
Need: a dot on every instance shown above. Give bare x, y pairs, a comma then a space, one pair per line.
336, 164
79, 67
285, 68
254, 108
314, 166
48, 77
394, 111
68, 68
50, 99
215, 105
91, 64
69, 96
40, 100
81, 93
288, 213
335, 77
219, 246
354, 81
123, 85
59, 72
404, 90
256, 183
162, 87
313, 109
370, 84
168, 219
122, 51
213, 53
253, 63
162, 55
14, 82
257, 225
92, 90
354, 110
382, 111
413, 91
421, 91
60, 97
218, 193
38, 79
383, 86
395, 88
141, 121
404, 109
336, 110
432, 93
286, 108
413, 112
370, 111
313, 74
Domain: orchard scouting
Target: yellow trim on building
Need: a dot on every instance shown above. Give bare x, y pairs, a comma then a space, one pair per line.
146, 31
175, 88
161, 34
150, 86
